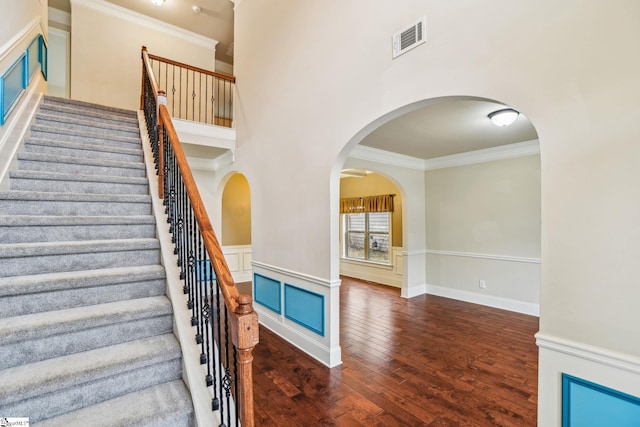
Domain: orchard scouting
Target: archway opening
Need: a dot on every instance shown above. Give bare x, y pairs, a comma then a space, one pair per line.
236, 226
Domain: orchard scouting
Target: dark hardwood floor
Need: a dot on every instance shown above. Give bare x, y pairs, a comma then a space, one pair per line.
425, 361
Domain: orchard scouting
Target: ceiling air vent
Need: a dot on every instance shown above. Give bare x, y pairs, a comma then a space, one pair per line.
409, 38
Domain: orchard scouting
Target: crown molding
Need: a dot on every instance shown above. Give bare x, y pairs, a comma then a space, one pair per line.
377, 155
519, 149
59, 16
111, 9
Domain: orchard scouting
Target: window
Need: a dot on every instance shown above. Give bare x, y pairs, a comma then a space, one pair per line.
370, 227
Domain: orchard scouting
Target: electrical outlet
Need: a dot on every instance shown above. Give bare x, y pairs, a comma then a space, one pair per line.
482, 284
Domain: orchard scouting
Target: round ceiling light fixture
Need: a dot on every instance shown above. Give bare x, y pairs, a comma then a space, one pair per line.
196, 9
157, 2
504, 117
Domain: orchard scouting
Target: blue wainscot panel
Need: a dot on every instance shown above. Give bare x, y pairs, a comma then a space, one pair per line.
585, 404
266, 292
304, 307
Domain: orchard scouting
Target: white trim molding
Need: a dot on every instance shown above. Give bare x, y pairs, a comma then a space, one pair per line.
23, 36
598, 355
111, 9
519, 149
297, 275
59, 16
488, 300
484, 256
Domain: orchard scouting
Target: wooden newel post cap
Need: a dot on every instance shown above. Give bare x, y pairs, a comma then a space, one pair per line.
244, 304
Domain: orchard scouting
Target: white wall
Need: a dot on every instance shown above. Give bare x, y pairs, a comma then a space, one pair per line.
106, 41
308, 85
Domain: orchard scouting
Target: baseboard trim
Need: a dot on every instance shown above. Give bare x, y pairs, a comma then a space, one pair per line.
595, 354
330, 357
488, 300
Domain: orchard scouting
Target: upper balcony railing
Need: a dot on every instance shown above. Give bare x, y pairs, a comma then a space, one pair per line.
224, 322
193, 93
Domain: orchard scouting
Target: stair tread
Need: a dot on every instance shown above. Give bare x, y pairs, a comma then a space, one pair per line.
82, 146
148, 407
69, 122
25, 381
43, 130
48, 99
12, 250
72, 110
61, 220
79, 197
36, 326
57, 176
48, 282
41, 157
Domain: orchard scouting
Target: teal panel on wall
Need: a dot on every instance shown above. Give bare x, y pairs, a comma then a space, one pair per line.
204, 272
33, 57
586, 404
12, 83
304, 307
266, 292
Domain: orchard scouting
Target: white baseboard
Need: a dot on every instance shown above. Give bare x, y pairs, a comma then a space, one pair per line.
488, 300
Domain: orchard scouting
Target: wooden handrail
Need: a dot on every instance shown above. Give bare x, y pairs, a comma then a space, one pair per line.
244, 320
231, 79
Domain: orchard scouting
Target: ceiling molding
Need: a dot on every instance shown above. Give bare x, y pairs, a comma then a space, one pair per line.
59, 16
111, 9
371, 154
519, 149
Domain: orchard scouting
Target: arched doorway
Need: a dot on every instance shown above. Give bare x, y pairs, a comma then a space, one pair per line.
236, 226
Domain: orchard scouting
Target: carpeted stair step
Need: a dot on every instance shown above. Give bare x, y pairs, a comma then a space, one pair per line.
78, 165
20, 295
74, 135
53, 257
39, 228
83, 124
52, 387
72, 183
86, 149
51, 203
167, 404
60, 109
73, 103
36, 337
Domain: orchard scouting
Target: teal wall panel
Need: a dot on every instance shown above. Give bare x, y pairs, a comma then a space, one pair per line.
586, 404
266, 292
304, 307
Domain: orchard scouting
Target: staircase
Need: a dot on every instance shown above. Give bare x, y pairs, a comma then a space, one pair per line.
86, 329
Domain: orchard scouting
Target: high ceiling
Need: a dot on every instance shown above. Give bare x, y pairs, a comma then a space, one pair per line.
447, 126
214, 21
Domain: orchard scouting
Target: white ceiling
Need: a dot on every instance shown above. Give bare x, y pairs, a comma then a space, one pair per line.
444, 127
448, 126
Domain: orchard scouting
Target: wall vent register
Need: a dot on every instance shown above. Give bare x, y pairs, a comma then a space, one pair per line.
409, 38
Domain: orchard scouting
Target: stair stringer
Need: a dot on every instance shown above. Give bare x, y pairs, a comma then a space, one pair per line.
193, 374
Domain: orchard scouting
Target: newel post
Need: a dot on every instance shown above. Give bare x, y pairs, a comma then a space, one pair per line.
144, 49
245, 338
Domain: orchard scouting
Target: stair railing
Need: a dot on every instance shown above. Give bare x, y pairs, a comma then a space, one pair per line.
224, 322
194, 93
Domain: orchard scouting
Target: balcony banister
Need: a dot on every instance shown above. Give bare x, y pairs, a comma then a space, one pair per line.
193, 68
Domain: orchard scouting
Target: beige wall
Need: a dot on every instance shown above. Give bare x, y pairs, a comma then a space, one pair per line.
16, 15
372, 185
569, 66
487, 208
105, 60
236, 212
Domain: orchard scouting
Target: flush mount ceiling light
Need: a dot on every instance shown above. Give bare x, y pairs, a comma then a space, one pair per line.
157, 2
196, 9
504, 117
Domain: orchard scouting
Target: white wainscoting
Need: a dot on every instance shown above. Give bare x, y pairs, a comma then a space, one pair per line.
601, 366
380, 273
239, 261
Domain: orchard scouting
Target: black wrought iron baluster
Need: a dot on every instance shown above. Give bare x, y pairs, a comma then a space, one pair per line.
208, 319
173, 90
227, 382
236, 396
199, 97
216, 404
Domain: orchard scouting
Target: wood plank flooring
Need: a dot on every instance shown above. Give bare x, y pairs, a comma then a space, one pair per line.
425, 361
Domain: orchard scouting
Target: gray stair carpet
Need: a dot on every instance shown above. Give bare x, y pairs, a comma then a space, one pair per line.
85, 326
